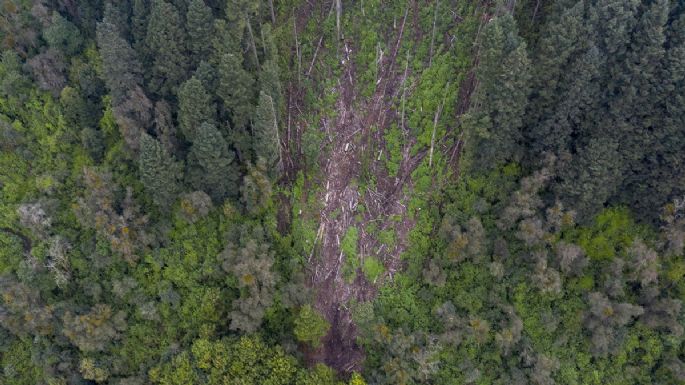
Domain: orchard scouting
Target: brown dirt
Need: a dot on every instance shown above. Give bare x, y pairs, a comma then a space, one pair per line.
356, 135
352, 137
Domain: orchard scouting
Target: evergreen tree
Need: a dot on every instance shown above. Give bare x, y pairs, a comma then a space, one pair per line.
199, 24
256, 189
77, 111
210, 167
207, 75
266, 140
117, 13
562, 41
270, 83
592, 178
165, 130
13, 83
139, 21
236, 89
159, 172
166, 40
227, 39
502, 95
121, 68
662, 169
123, 77
195, 107
310, 326
640, 106
63, 35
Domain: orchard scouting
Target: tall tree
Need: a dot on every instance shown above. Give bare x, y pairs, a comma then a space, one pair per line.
502, 95
236, 89
139, 20
166, 40
640, 109
266, 141
159, 172
210, 164
559, 44
270, 82
662, 175
593, 177
63, 35
121, 69
165, 130
195, 107
122, 73
199, 24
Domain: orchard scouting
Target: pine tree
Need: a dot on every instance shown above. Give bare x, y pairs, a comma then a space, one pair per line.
641, 109
504, 76
592, 178
236, 89
199, 24
574, 114
310, 326
165, 130
123, 76
256, 189
63, 35
210, 167
562, 41
270, 83
166, 40
266, 138
195, 107
206, 73
139, 21
663, 176
159, 172
121, 69
117, 13
227, 39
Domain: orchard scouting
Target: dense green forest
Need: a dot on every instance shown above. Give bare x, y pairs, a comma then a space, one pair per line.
330, 192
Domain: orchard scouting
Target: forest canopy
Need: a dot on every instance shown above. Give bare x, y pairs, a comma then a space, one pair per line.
316, 192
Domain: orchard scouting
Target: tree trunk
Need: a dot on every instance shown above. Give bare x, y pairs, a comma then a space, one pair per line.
253, 43
273, 15
338, 14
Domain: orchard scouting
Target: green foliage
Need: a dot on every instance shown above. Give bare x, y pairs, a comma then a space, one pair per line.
348, 244
167, 42
200, 23
10, 252
372, 268
310, 326
247, 360
236, 89
256, 189
210, 164
496, 124
267, 144
19, 369
106, 278
159, 172
63, 35
612, 232
195, 108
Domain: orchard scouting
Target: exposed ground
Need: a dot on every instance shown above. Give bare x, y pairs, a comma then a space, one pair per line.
351, 135
356, 140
